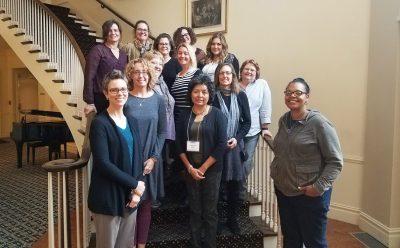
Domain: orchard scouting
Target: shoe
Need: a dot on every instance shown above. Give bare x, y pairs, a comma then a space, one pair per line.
156, 204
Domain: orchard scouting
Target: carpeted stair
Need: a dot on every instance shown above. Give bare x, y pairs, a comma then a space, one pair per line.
170, 228
83, 36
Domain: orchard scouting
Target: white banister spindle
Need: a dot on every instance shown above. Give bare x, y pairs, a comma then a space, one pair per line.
78, 220
50, 210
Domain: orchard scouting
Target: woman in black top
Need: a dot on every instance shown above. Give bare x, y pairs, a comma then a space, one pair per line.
235, 106
201, 143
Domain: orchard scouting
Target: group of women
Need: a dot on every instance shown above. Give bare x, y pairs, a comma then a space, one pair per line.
212, 112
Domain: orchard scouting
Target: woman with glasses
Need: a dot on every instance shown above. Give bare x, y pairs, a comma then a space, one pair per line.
307, 160
116, 185
234, 105
164, 44
102, 59
148, 109
186, 35
217, 53
201, 143
141, 43
259, 96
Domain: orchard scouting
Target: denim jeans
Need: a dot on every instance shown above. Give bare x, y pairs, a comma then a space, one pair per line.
250, 144
304, 219
203, 199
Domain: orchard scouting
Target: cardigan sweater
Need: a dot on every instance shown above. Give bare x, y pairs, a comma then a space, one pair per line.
113, 174
213, 136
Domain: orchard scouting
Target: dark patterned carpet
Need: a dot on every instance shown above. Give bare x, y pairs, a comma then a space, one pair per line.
23, 198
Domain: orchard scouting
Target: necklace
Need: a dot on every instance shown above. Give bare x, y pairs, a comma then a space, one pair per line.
141, 100
200, 113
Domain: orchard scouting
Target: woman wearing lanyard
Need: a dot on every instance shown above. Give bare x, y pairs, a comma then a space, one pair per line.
201, 143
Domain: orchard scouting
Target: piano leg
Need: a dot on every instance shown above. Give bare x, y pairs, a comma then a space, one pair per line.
19, 146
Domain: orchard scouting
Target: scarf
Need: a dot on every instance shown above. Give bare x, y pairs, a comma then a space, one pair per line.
232, 114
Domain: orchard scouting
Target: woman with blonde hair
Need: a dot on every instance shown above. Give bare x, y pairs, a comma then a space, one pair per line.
148, 109
217, 53
187, 60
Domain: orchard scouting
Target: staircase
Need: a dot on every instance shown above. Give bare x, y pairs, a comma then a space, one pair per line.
81, 32
46, 48
54, 51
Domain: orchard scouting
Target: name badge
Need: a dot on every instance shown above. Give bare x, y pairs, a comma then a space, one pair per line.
193, 146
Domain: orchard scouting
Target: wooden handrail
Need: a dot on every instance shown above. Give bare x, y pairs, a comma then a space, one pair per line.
67, 32
104, 5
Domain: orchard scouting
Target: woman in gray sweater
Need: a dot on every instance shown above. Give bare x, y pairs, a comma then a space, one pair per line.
308, 159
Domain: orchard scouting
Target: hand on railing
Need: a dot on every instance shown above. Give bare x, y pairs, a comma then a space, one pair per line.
89, 108
267, 136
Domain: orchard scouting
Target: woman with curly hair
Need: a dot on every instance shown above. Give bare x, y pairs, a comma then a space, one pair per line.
148, 109
186, 35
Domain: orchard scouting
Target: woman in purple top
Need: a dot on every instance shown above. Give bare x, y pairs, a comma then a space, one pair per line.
102, 59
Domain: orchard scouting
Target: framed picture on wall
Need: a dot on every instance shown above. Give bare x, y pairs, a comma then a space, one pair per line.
206, 16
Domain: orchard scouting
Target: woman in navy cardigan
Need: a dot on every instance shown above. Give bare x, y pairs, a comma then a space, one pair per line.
116, 187
201, 143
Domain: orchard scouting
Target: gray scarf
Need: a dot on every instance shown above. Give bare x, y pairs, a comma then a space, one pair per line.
232, 115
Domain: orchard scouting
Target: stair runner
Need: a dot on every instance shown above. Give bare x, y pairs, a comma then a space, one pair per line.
82, 37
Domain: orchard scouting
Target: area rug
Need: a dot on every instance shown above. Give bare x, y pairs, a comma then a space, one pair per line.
23, 198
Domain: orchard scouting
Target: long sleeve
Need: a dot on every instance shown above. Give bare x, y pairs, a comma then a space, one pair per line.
220, 127
266, 105
331, 154
245, 118
235, 64
92, 64
161, 129
100, 145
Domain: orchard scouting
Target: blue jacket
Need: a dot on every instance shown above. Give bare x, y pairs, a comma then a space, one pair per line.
113, 176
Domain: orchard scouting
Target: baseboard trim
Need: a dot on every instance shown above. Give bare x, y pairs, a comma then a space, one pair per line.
345, 213
387, 236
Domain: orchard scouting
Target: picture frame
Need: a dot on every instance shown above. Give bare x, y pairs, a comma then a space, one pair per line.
206, 16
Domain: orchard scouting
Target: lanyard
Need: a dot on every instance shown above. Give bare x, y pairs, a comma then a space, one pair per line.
187, 128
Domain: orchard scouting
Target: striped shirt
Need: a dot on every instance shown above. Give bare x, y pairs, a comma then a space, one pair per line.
180, 87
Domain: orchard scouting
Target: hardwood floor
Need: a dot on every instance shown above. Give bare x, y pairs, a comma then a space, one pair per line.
338, 235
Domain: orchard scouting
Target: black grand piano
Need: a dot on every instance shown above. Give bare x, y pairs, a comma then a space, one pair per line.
50, 133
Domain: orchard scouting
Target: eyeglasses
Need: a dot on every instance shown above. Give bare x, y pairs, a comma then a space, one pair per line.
137, 73
115, 91
163, 44
225, 73
142, 30
296, 93
186, 34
